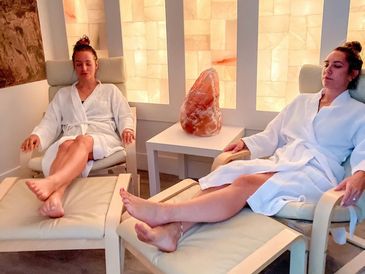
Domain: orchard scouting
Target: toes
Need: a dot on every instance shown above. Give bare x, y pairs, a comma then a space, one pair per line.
56, 214
52, 208
37, 191
41, 196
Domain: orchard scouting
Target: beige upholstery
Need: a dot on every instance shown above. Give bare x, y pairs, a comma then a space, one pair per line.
246, 243
92, 212
310, 81
60, 73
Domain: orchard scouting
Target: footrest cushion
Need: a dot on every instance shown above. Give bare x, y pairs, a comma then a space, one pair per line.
86, 203
208, 248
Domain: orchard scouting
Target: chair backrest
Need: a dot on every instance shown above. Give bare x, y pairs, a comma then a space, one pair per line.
60, 73
310, 81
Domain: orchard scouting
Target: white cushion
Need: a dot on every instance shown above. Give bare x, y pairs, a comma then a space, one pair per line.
310, 78
310, 81
86, 203
60, 73
116, 158
359, 92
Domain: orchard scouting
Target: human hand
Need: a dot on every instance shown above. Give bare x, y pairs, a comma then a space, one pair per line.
353, 186
235, 147
127, 136
31, 143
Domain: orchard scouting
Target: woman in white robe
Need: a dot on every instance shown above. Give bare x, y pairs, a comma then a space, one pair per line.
88, 115
308, 142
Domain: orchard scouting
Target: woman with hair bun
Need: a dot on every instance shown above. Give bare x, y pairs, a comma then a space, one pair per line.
89, 115
306, 142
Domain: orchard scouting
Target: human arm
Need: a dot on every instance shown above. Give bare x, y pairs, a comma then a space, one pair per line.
49, 127
122, 113
47, 131
30, 143
265, 143
353, 186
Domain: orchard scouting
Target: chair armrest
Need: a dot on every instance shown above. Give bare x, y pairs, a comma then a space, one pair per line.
130, 149
229, 156
321, 224
24, 158
173, 191
131, 156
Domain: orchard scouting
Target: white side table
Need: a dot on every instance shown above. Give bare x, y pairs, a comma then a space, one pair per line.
174, 139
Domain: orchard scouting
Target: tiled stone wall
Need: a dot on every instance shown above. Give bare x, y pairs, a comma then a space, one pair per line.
211, 41
144, 47
86, 17
289, 35
356, 28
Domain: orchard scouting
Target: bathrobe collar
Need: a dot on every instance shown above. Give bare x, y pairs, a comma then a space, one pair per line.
339, 100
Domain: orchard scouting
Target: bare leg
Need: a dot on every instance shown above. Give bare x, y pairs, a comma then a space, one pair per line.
71, 159
215, 206
44, 188
163, 221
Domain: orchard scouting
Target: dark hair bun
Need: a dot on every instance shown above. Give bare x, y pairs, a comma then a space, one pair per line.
84, 40
354, 45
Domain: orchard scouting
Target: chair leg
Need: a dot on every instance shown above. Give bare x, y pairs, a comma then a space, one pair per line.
112, 255
136, 184
298, 257
122, 255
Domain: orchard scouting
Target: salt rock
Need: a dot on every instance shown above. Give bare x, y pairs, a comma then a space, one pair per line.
200, 113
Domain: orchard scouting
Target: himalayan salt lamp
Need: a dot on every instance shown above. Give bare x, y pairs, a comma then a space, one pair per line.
200, 113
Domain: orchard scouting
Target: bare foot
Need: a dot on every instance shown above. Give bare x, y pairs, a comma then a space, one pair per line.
52, 207
42, 188
163, 237
151, 213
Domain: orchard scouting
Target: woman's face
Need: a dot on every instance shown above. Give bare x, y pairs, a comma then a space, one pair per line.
335, 72
85, 65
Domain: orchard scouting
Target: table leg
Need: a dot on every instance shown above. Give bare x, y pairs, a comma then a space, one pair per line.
153, 172
183, 168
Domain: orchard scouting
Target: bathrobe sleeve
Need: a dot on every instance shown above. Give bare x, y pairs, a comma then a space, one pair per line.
357, 159
122, 112
50, 126
265, 143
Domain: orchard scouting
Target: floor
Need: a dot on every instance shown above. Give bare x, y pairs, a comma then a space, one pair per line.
92, 261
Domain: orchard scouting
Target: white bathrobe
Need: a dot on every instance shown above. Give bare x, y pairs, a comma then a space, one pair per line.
307, 147
103, 115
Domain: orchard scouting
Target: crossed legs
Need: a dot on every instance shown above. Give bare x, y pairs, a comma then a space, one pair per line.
163, 223
71, 159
